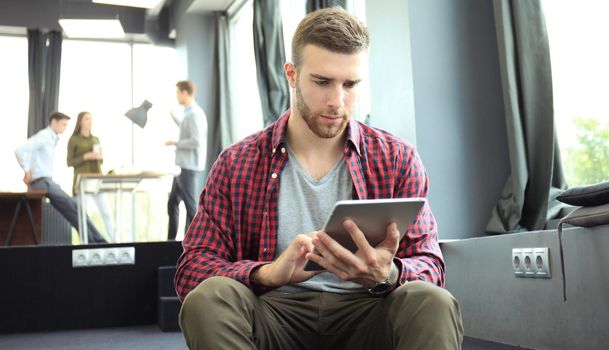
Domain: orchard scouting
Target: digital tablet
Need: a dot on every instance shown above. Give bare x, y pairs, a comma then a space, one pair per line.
372, 217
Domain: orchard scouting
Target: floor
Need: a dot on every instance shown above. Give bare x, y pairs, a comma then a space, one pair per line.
142, 337
127, 338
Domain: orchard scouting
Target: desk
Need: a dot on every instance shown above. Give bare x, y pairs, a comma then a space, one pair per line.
21, 215
118, 184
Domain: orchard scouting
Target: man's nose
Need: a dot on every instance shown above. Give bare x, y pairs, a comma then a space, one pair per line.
336, 98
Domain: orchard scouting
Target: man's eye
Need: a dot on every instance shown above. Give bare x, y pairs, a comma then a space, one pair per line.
321, 82
350, 85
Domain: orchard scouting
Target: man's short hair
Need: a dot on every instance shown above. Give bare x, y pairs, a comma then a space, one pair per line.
186, 85
58, 116
333, 29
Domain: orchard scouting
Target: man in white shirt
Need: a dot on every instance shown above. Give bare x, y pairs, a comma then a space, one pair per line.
191, 154
35, 157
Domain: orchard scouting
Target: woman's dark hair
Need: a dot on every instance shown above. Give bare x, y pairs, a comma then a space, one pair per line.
79, 121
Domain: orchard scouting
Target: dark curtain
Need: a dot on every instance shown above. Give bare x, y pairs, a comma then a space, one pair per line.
270, 58
528, 198
221, 128
44, 64
223, 125
313, 5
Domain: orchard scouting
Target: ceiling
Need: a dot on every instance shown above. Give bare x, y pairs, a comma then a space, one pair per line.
206, 6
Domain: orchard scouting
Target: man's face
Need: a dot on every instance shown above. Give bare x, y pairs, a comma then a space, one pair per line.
59, 126
326, 88
181, 96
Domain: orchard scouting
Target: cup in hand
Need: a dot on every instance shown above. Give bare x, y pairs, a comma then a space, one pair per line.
97, 148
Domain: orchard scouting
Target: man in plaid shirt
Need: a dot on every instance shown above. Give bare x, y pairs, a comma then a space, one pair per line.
241, 275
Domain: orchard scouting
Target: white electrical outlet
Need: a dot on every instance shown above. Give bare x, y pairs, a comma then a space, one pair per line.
542, 262
96, 257
126, 255
103, 256
531, 262
111, 256
517, 262
80, 257
528, 257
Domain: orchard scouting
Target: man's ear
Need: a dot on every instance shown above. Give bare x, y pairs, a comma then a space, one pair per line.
290, 74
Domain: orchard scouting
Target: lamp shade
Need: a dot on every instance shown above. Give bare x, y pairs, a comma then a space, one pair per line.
139, 115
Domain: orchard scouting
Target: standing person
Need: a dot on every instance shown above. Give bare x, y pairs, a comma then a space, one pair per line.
35, 157
191, 153
241, 276
85, 156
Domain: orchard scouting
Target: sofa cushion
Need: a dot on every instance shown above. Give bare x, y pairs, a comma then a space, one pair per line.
588, 216
585, 196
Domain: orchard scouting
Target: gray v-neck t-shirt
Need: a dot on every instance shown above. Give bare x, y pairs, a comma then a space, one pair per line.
304, 206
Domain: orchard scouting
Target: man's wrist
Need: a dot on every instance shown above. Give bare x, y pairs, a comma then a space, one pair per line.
260, 275
388, 284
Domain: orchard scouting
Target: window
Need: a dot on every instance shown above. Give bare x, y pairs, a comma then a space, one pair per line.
15, 92
107, 79
96, 77
156, 70
580, 77
244, 87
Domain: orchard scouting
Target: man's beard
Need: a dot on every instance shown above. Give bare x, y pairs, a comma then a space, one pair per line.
312, 118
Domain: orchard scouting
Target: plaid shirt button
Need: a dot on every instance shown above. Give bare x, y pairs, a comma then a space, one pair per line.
274, 175
282, 149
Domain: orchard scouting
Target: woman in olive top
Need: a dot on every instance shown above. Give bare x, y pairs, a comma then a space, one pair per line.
84, 154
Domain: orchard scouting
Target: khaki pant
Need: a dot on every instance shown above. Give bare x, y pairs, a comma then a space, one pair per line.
222, 313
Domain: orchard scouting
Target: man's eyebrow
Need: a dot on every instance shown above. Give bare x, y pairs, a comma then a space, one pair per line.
321, 77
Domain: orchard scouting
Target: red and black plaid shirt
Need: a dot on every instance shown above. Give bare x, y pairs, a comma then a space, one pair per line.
235, 228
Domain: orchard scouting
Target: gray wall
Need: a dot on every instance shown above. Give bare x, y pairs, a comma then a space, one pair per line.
498, 306
459, 111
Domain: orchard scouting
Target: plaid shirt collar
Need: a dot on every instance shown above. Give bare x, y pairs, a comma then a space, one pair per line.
280, 130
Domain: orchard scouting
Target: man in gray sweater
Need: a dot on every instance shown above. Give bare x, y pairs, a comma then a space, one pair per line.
191, 153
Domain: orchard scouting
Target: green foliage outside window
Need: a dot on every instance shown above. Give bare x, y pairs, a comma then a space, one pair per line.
587, 162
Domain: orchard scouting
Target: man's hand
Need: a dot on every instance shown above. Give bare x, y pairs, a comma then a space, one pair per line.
368, 266
170, 143
289, 266
27, 177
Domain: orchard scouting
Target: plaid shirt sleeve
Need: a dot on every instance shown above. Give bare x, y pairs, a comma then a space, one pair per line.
419, 255
209, 249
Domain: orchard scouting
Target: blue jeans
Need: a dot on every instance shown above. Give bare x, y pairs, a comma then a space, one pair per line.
66, 206
185, 187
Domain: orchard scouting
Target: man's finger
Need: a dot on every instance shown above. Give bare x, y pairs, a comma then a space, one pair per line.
358, 237
392, 237
327, 266
335, 254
